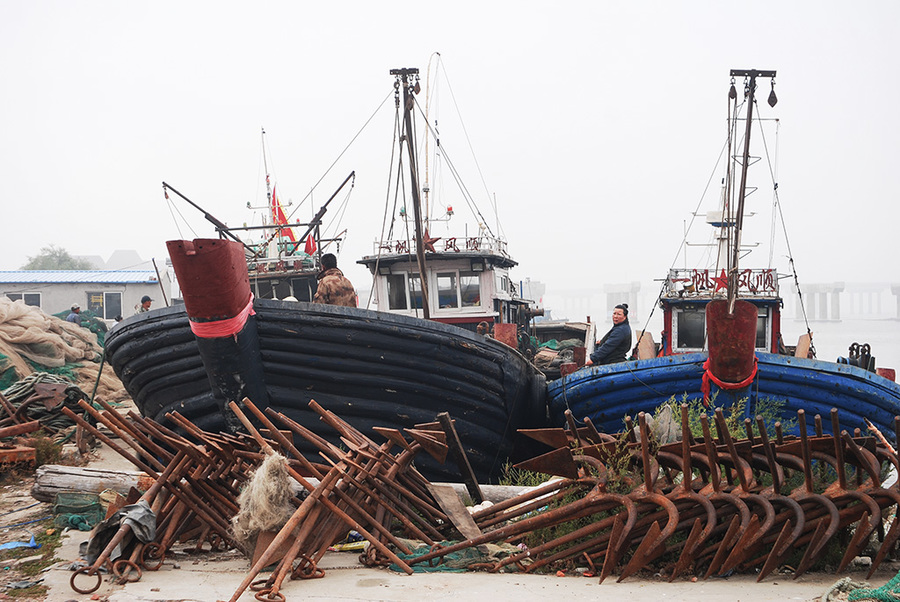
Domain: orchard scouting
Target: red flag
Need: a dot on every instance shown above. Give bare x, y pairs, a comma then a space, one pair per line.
278, 217
310, 244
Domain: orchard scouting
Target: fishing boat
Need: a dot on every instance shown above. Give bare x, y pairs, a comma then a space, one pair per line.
722, 338
282, 262
466, 271
393, 369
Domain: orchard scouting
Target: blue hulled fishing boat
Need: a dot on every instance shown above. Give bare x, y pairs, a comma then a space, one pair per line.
721, 339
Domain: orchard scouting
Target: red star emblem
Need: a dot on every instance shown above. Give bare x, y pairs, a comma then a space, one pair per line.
721, 281
428, 242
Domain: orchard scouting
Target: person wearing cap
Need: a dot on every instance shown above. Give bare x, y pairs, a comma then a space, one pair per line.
74, 316
616, 343
143, 306
333, 288
484, 329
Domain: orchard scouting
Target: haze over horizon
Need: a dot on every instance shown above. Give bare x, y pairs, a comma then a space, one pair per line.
597, 127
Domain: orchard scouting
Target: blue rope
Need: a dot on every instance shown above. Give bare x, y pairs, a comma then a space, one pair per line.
37, 520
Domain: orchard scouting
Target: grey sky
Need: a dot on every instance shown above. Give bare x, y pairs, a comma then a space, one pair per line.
596, 124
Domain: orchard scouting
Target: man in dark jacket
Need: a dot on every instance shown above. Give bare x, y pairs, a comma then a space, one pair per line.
615, 344
334, 288
74, 315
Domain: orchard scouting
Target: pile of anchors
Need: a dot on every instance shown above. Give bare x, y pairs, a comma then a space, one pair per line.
702, 506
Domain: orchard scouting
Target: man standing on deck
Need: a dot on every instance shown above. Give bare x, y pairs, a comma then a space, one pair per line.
334, 288
616, 343
144, 305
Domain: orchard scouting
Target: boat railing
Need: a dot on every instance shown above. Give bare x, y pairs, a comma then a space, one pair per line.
465, 244
705, 282
296, 263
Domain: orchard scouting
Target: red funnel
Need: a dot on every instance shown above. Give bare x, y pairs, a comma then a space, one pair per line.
731, 339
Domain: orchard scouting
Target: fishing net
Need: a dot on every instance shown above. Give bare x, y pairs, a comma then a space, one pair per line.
89, 320
265, 503
33, 341
31, 334
557, 345
459, 561
890, 591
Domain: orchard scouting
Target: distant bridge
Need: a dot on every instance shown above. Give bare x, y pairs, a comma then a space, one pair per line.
824, 301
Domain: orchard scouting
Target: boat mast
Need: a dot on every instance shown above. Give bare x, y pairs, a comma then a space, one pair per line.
266, 168
426, 189
403, 76
750, 92
269, 205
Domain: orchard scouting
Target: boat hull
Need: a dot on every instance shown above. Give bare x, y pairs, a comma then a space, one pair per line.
607, 394
370, 368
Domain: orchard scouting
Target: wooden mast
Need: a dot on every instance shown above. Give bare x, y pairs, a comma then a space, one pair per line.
403, 76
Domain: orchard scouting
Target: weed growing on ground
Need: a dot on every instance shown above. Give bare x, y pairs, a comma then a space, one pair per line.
50, 540
769, 409
519, 477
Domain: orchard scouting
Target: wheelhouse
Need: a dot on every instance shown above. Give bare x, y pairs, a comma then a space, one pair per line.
467, 281
687, 293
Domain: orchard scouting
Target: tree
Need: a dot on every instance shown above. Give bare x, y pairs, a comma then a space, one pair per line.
55, 258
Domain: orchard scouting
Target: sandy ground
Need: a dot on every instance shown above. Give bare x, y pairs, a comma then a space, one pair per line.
209, 577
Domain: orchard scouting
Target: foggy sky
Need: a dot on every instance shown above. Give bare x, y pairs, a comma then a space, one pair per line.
596, 125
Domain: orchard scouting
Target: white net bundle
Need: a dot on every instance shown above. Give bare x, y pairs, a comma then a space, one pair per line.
27, 333
265, 501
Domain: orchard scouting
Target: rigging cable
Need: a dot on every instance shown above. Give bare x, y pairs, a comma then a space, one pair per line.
428, 101
172, 211
683, 244
330, 167
327, 171
468, 140
341, 210
787, 242
774, 174
470, 201
387, 198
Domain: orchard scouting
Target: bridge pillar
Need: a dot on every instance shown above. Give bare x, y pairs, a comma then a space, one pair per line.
836, 289
895, 290
622, 293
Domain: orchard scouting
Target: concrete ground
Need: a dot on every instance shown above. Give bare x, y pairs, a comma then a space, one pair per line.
209, 577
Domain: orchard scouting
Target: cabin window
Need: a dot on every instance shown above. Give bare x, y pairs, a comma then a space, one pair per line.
762, 323
32, 299
470, 289
105, 305
396, 289
691, 329
415, 291
447, 291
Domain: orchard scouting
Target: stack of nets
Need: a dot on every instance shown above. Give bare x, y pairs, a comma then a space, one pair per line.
33, 341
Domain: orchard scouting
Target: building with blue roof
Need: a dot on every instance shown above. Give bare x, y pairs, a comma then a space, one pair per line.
106, 293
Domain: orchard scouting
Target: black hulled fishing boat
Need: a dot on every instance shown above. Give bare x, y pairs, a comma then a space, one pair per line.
372, 368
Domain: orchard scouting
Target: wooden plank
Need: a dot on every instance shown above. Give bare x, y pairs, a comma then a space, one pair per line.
803, 344
450, 503
646, 348
459, 455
